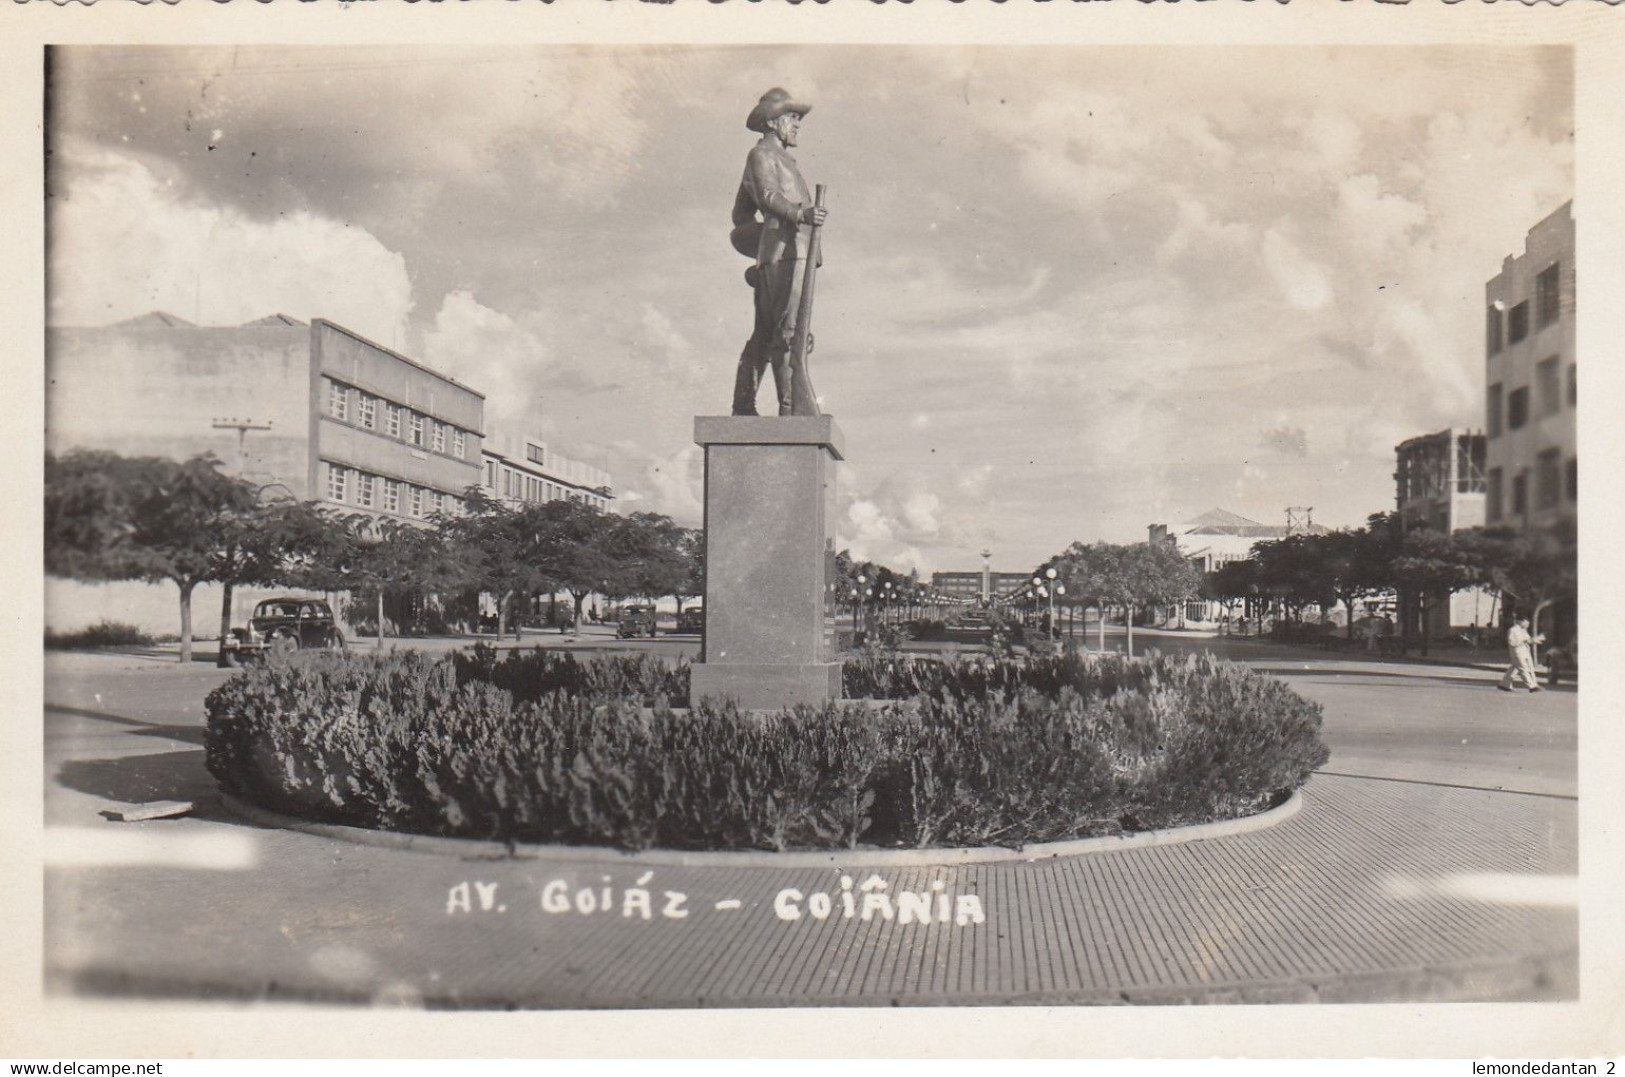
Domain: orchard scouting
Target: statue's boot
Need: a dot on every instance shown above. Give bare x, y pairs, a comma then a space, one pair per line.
784, 382
747, 378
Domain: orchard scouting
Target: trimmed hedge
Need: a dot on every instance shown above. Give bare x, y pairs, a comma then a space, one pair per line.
540, 747
100, 634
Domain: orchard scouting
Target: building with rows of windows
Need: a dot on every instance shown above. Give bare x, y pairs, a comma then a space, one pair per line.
524, 470
1530, 396
313, 410
309, 411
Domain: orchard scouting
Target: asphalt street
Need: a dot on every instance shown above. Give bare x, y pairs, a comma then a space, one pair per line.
125, 902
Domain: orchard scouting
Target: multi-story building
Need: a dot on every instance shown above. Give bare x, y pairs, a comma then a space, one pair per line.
308, 411
1530, 396
315, 410
980, 586
1440, 483
520, 470
1439, 480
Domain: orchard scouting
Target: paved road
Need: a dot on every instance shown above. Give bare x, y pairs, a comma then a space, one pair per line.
1410, 865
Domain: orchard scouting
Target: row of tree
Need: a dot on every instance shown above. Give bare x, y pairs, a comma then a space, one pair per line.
110, 517
1419, 566
1127, 578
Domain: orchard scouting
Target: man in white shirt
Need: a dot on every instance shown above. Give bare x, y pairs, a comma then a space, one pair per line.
1521, 652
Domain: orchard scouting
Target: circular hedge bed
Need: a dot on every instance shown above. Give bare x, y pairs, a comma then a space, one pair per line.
542, 747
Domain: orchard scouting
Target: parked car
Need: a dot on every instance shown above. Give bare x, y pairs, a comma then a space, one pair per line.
636, 620
283, 626
691, 620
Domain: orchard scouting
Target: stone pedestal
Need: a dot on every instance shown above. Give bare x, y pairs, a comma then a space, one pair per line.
769, 560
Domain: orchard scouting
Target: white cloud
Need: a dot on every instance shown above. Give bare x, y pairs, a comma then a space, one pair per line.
491, 352
672, 484
1303, 282
125, 242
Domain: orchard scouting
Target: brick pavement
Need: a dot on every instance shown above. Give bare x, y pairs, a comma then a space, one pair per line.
1374, 890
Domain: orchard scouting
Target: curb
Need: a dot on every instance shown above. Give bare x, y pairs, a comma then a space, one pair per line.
478, 849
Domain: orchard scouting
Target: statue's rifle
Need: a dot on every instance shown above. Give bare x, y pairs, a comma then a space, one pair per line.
805, 400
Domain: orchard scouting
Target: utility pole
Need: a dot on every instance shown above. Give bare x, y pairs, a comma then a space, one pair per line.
1299, 519
242, 426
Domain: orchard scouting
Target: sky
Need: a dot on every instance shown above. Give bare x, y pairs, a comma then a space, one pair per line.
1066, 293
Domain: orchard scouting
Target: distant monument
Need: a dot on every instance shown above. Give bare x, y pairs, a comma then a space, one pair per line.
770, 480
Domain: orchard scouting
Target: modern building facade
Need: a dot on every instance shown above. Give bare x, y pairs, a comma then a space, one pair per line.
307, 411
982, 586
1531, 394
1439, 482
314, 410
525, 470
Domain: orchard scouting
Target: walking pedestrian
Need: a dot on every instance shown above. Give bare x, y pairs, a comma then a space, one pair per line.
1521, 656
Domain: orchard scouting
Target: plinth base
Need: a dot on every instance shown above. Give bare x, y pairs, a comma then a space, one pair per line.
766, 687
769, 560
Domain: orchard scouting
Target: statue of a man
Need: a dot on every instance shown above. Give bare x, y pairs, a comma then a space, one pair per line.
772, 187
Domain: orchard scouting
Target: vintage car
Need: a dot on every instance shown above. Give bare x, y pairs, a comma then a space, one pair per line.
692, 620
636, 620
283, 626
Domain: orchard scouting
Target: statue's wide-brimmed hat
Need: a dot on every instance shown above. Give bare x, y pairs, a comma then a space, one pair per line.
774, 103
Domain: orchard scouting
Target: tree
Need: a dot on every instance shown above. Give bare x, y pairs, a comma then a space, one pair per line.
275, 541
1149, 574
1534, 568
571, 550
158, 520
1429, 563
503, 551
1090, 573
1356, 564
1294, 572
1232, 582
376, 555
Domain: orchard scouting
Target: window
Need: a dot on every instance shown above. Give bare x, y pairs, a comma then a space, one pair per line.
458, 444
491, 475
1546, 296
1572, 485
1548, 482
416, 501
1492, 497
392, 496
392, 416
1549, 388
338, 400
513, 483
1574, 396
1492, 411
1520, 494
417, 429
535, 454
1492, 330
1518, 322
436, 500
367, 408
1517, 408
337, 482
439, 437
363, 490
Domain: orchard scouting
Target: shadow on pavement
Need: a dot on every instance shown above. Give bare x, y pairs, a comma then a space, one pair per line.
186, 734
138, 779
